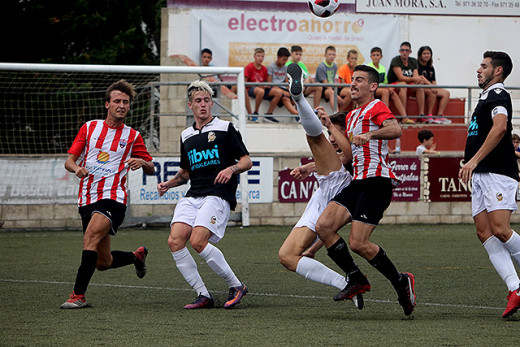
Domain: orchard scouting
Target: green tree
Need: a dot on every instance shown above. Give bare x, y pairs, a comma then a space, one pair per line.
81, 31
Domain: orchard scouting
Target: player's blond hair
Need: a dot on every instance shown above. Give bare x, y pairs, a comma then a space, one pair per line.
199, 86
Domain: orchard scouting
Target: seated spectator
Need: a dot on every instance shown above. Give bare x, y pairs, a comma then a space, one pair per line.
385, 94
326, 73
296, 57
206, 55
277, 73
404, 70
427, 146
345, 76
426, 69
516, 142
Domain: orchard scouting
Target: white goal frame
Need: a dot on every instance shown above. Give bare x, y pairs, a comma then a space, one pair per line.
238, 71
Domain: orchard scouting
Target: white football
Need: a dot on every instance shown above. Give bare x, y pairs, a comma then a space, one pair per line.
323, 8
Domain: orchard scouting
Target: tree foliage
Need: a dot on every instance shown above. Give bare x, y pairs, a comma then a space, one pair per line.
81, 31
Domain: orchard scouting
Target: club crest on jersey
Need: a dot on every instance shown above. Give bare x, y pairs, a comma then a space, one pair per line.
122, 143
211, 136
103, 157
213, 220
499, 197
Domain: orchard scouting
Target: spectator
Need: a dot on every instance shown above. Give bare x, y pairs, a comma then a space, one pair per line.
296, 57
426, 143
326, 73
516, 142
277, 73
385, 94
404, 70
345, 76
206, 55
256, 72
426, 69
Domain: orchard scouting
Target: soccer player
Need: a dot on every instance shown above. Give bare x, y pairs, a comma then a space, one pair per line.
108, 149
490, 163
363, 202
332, 178
212, 156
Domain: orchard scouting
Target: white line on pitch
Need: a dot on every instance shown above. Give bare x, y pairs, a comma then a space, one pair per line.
254, 294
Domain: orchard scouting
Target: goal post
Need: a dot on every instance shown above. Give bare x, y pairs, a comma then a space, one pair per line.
43, 105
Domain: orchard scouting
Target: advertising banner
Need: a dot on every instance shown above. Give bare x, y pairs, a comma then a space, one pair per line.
37, 181
442, 181
442, 7
408, 170
143, 188
233, 35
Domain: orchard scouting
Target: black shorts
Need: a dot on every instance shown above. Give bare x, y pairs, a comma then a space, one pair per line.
367, 199
113, 210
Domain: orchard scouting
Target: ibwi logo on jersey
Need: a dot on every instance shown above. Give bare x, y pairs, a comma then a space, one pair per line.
103, 157
123, 143
473, 127
203, 158
211, 136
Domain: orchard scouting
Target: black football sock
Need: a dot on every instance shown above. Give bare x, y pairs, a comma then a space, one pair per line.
383, 264
85, 271
122, 258
341, 256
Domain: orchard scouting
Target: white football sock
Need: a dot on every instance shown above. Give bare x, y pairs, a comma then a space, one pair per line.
317, 272
501, 260
513, 246
188, 269
218, 263
310, 122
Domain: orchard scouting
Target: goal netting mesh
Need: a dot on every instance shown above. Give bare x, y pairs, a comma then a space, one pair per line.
41, 112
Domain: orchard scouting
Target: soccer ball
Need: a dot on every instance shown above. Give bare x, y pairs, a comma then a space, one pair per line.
323, 8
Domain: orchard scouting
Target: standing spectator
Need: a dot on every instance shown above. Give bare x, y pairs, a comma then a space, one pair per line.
109, 149
326, 73
277, 73
404, 70
385, 94
426, 143
426, 69
296, 57
212, 155
363, 202
490, 163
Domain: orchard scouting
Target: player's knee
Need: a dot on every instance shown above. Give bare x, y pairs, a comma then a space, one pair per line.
103, 265
286, 259
359, 247
175, 244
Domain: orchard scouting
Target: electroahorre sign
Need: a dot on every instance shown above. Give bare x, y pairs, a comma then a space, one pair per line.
493, 8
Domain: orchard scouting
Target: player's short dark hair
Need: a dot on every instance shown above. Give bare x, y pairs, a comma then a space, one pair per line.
424, 135
338, 119
376, 49
373, 75
500, 59
206, 50
283, 52
406, 43
296, 48
123, 86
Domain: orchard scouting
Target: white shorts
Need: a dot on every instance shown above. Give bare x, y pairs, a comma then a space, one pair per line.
210, 212
329, 187
491, 192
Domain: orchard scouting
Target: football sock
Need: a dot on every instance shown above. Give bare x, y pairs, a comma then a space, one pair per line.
317, 272
121, 258
310, 122
188, 269
216, 261
513, 246
85, 271
383, 264
341, 256
501, 260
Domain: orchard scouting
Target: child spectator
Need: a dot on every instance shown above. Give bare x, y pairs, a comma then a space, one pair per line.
277, 73
296, 57
427, 146
426, 69
326, 73
345, 76
516, 142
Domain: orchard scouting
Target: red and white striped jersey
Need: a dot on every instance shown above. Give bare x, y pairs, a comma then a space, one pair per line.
105, 151
369, 160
